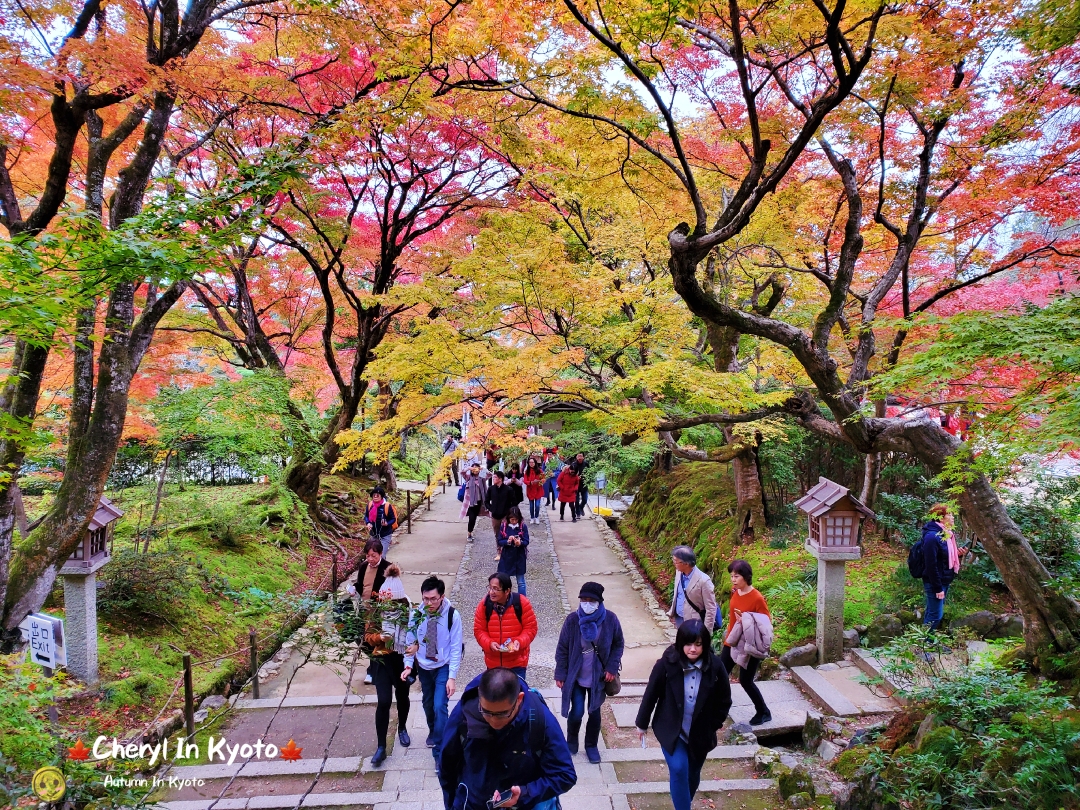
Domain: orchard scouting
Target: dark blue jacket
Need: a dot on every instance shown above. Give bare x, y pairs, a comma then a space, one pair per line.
936, 571
568, 658
476, 760
512, 559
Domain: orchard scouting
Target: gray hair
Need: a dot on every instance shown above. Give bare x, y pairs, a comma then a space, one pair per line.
684, 554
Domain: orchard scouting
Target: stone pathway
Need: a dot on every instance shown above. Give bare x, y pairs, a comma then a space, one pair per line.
307, 694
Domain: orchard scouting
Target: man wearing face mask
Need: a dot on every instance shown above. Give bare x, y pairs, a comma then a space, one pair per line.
587, 657
503, 745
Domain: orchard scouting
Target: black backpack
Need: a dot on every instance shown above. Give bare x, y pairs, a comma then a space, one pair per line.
515, 602
916, 560
450, 625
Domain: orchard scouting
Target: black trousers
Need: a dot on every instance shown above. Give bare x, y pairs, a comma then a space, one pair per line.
562, 510
472, 512
746, 678
582, 500
386, 675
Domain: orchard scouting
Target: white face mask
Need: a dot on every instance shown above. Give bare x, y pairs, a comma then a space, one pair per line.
589, 607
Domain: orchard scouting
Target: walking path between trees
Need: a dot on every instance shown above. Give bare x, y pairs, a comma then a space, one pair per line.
308, 696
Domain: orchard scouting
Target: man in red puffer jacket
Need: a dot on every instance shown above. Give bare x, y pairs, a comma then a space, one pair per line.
503, 616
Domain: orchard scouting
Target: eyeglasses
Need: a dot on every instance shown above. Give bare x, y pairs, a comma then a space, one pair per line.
498, 715
431, 600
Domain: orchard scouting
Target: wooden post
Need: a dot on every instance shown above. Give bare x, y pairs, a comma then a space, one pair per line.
429, 489
254, 663
333, 575
408, 511
189, 698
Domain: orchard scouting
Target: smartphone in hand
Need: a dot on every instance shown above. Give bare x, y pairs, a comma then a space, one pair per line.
501, 799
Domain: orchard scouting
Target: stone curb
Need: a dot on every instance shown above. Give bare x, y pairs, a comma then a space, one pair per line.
637, 582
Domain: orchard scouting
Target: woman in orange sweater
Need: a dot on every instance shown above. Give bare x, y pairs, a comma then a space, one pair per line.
745, 599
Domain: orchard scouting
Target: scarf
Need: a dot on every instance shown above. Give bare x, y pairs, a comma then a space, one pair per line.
954, 553
590, 625
373, 513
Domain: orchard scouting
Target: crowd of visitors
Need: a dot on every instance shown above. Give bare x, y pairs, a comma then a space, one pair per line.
501, 746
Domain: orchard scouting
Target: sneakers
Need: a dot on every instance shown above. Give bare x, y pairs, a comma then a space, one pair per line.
367, 678
761, 717
430, 741
470, 539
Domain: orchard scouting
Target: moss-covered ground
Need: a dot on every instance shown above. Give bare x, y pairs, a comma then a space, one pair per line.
241, 557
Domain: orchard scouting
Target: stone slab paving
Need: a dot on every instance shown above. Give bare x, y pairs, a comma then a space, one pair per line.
561, 557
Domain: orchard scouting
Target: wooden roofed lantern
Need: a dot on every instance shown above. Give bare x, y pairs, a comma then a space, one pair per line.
835, 517
93, 551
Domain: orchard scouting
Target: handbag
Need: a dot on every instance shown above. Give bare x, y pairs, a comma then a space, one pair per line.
461, 493
612, 687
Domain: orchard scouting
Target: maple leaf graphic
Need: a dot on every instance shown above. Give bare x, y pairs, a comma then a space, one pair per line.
291, 752
79, 751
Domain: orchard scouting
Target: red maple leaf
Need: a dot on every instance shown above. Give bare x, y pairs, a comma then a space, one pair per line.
79, 751
291, 752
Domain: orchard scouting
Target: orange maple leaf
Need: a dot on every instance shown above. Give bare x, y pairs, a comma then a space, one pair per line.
291, 752
79, 751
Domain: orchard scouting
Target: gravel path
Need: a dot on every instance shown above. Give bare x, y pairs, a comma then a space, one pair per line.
545, 591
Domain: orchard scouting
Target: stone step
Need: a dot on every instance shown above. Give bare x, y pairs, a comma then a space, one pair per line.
432, 799
786, 703
823, 693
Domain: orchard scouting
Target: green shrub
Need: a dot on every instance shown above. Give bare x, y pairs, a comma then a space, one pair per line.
149, 586
793, 606
1002, 739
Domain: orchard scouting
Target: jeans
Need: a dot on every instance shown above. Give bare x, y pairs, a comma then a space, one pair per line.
746, 678
579, 699
935, 608
582, 500
386, 675
684, 775
521, 584
534, 507
519, 670
551, 492
433, 687
472, 512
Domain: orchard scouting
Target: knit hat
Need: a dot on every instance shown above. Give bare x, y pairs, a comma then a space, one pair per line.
393, 583
592, 590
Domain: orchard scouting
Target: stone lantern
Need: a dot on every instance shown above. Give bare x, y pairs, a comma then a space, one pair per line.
835, 536
80, 592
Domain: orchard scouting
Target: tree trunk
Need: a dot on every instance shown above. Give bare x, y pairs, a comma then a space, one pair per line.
871, 477
750, 516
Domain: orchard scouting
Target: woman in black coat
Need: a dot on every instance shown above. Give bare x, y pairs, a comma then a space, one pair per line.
689, 690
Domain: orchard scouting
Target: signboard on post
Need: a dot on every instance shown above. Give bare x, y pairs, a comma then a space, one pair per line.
46, 636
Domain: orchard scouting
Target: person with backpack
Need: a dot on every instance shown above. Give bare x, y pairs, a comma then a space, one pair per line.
568, 487
534, 488
694, 596
504, 626
386, 636
937, 561
503, 746
747, 601
687, 699
579, 464
498, 501
450, 447
371, 572
587, 660
382, 519
435, 649
472, 495
513, 543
